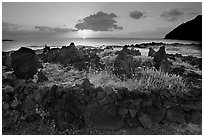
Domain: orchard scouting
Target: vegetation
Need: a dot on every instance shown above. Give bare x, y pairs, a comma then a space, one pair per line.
142, 80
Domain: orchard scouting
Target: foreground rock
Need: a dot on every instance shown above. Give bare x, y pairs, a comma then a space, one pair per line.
102, 117
24, 63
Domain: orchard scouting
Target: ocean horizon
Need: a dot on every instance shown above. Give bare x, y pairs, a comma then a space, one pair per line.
96, 42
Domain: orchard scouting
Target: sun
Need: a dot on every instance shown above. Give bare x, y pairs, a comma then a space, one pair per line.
84, 33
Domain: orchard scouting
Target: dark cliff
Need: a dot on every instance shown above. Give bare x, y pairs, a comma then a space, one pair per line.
191, 30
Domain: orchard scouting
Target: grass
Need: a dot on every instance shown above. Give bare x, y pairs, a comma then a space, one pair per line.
59, 75
143, 80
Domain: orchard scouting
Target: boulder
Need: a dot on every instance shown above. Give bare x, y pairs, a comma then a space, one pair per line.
151, 52
166, 66
71, 48
148, 63
124, 64
133, 112
122, 112
132, 52
15, 104
102, 117
156, 114
175, 115
41, 77
146, 121
108, 90
159, 57
103, 101
196, 117
101, 95
52, 55
8, 89
6, 59
5, 106
9, 78
24, 63
29, 106
135, 131
178, 70
46, 49
62, 55
192, 106
86, 84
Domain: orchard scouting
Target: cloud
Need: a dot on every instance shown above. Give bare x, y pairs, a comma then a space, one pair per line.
137, 14
193, 13
10, 26
99, 22
54, 29
172, 15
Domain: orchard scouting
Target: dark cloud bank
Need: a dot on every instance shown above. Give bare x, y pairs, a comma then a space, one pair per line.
172, 15
137, 14
99, 22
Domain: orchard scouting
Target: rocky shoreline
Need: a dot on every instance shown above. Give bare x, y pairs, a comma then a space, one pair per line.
167, 88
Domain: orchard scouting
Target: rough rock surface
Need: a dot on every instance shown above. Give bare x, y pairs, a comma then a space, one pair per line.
159, 57
102, 117
24, 63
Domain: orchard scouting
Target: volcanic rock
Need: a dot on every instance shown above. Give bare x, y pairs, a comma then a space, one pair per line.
166, 66
151, 52
41, 77
124, 64
52, 55
102, 117
159, 57
196, 117
25, 63
146, 121
8, 89
175, 115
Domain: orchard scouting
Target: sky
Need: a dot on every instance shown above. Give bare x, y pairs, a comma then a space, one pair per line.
94, 20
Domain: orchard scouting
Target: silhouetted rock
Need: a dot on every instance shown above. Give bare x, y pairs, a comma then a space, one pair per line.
159, 57
62, 55
191, 30
24, 63
52, 55
132, 52
46, 49
151, 52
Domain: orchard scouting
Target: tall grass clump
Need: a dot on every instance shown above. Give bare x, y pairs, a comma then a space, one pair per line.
104, 78
154, 79
145, 79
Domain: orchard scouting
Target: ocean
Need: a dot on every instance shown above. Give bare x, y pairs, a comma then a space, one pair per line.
96, 42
